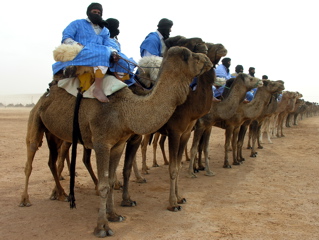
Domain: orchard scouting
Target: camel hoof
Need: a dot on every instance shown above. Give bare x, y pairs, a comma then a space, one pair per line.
210, 174
61, 178
192, 175
118, 186
249, 147
174, 209
182, 201
128, 203
101, 233
227, 166
201, 168
236, 163
260, 147
115, 218
155, 165
25, 204
196, 170
141, 180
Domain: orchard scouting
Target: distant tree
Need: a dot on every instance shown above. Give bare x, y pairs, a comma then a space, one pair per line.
30, 105
19, 105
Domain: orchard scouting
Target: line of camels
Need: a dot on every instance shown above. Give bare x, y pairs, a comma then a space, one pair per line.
172, 110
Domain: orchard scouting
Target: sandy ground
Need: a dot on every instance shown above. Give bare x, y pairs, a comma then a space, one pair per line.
273, 196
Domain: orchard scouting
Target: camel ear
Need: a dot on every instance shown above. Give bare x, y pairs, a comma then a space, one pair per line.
186, 54
172, 41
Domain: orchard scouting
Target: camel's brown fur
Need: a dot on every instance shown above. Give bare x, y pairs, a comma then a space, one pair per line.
220, 111
248, 111
105, 127
215, 53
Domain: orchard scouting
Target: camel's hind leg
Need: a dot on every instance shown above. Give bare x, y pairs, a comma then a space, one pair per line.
206, 138
162, 146
54, 145
34, 138
144, 144
155, 140
132, 146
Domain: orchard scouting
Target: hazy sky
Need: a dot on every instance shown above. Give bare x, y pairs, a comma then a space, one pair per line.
279, 38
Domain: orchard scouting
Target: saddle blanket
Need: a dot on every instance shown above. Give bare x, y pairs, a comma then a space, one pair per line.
110, 85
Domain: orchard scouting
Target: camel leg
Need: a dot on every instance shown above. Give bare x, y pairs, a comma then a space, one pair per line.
35, 132
183, 142
240, 141
155, 140
249, 138
116, 154
196, 139
234, 145
200, 166
162, 146
258, 137
87, 163
63, 155
206, 138
54, 144
32, 147
173, 142
253, 152
103, 169
144, 144
138, 176
228, 137
132, 146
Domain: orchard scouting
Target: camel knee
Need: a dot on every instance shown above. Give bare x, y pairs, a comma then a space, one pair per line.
103, 190
173, 174
34, 146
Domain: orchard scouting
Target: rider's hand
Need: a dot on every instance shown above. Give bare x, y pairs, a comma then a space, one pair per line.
115, 57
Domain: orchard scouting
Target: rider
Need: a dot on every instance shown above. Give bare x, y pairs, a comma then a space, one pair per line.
97, 52
154, 44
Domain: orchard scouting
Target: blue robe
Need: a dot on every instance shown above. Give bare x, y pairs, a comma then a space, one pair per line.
152, 44
221, 71
96, 51
122, 65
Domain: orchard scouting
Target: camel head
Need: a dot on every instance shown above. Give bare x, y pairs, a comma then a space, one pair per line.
196, 45
197, 63
216, 52
274, 86
250, 82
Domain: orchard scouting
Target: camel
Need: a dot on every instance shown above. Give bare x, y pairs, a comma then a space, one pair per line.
105, 127
245, 112
236, 94
215, 53
285, 106
255, 128
149, 67
179, 126
292, 118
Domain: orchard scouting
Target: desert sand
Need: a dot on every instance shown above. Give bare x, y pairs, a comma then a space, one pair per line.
272, 196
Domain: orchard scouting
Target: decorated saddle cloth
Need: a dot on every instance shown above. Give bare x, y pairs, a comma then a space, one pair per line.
110, 85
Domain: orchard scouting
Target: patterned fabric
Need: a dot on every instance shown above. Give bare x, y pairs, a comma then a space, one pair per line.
221, 71
96, 51
152, 44
122, 65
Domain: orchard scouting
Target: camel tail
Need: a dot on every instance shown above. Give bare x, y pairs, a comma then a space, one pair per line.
76, 135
